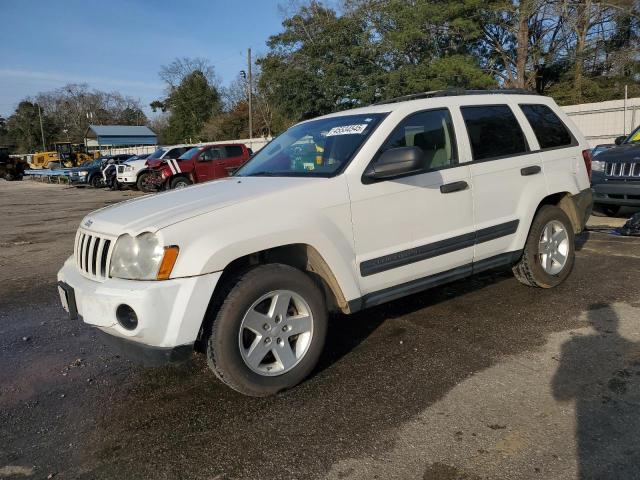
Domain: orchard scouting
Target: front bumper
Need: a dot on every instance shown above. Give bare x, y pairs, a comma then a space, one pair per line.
169, 312
78, 179
127, 178
617, 192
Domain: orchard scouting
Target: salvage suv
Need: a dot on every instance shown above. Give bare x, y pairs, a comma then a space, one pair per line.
337, 214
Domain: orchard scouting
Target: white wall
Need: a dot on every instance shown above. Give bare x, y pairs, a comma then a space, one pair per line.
255, 144
602, 122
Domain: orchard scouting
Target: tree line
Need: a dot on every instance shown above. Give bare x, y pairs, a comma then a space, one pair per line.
357, 52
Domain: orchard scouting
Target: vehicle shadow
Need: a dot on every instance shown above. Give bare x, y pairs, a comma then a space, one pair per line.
600, 372
347, 332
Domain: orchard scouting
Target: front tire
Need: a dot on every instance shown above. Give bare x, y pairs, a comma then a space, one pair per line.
180, 182
95, 181
549, 254
142, 183
269, 331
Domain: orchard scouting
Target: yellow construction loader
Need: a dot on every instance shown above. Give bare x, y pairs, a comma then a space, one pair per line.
63, 154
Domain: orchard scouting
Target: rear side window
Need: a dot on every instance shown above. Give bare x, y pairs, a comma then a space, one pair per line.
493, 131
234, 151
432, 131
549, 129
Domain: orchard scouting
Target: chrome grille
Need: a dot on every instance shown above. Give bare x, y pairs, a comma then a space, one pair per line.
93, 253
622, 169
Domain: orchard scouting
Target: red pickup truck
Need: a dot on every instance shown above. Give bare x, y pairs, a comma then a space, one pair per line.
197, 165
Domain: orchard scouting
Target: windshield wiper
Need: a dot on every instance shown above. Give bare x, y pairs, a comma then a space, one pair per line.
263, 173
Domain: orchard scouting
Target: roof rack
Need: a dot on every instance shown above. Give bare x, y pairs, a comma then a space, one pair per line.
454, 92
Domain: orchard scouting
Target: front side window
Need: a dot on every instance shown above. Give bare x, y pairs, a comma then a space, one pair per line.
549, 129
493, 131
319, 148
210, 154
431, 131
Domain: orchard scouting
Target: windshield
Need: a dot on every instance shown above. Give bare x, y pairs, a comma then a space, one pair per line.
634, 137
189, 154
318, 148
157, 154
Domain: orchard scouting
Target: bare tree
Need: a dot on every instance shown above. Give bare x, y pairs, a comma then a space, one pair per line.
176, 71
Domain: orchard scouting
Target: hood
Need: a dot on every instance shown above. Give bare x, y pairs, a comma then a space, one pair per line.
156, 211
628, 152
155, 162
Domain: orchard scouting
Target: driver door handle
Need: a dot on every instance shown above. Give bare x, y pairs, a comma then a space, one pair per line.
454, 187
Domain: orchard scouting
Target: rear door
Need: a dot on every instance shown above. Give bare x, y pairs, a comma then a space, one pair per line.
235, 157
561, 153
506, 175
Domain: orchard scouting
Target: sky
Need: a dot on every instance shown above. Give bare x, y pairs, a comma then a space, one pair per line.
119, 45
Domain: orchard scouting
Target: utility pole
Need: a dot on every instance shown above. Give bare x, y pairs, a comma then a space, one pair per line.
44, 148
250, 93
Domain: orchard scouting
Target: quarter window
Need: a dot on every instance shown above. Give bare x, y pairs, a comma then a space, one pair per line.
432, 131
549, 129
493, 131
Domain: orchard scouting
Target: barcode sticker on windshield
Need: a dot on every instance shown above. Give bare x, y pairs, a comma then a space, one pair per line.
347, 130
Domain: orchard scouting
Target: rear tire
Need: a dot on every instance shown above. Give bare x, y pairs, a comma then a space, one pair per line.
549, 254
269, 331
179, 182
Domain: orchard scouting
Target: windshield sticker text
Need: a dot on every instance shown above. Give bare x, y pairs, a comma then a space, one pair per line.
347, 130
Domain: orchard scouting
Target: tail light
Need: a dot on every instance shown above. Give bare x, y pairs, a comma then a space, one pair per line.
586, 154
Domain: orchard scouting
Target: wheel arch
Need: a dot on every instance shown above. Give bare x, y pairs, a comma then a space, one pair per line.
564, 201
298, 255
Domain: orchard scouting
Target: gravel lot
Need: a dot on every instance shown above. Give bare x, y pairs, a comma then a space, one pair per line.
483, 378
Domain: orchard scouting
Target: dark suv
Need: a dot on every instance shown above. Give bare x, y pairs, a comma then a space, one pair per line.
616, 175
91, 173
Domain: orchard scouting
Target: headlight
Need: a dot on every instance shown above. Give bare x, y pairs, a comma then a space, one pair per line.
142, 258
597, 166
83, 173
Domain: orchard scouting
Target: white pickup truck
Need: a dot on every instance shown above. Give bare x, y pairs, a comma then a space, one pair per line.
339, 213
134, 172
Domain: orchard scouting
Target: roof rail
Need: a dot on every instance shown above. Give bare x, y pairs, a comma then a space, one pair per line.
454, 92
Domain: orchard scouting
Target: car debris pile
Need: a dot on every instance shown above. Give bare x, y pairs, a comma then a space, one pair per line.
631, 227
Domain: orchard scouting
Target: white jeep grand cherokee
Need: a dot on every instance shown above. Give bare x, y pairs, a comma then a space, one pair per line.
338, 213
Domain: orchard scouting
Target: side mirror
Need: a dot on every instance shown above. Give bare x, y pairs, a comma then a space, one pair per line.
620, 139
395, 162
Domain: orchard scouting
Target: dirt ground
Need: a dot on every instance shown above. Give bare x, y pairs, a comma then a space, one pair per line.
482, 378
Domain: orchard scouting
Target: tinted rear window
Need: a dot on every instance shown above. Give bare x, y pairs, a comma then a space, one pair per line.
549, 129
493, 131
234, 151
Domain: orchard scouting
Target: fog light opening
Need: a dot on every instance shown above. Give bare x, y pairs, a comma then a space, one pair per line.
127, 317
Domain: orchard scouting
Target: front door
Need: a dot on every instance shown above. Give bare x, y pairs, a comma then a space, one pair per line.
205, 164
419, 227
